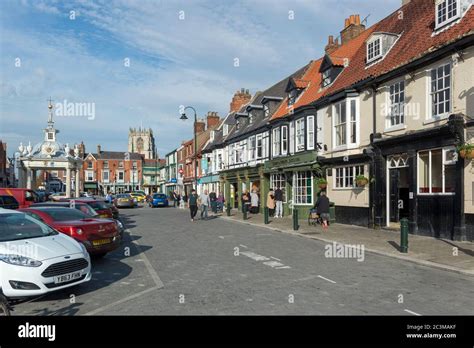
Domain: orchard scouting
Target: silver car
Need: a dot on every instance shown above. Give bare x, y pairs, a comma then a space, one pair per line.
124, 200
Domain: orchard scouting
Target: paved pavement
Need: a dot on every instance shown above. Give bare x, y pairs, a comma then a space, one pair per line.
445, 254
219, 266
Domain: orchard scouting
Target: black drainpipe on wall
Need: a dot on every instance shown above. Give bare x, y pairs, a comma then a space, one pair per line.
372, 192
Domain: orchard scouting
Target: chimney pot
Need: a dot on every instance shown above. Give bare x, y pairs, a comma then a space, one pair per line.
98, 149
346, 23
357, 19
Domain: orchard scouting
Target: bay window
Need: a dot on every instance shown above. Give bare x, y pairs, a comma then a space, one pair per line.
310, 132
284, 140
436, 171
259, 146
346, 129
300, 134
251, 148
276, 141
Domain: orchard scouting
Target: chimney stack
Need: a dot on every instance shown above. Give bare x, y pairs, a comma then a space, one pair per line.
239, 99
332, 45
213, 119
352, 28
200, 126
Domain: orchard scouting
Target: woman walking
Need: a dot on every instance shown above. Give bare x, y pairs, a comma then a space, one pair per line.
271, 202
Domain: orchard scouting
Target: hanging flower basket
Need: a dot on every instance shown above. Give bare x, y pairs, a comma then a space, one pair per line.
466, 151
361, 181
322, 183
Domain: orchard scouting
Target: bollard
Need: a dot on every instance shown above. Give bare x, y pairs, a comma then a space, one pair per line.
228, 209
245, 213
404, 235
295, 220
265, 216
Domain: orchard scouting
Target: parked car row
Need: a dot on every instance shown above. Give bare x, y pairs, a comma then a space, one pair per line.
47, 246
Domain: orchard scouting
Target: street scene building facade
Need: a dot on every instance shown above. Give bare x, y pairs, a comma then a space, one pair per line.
377, 122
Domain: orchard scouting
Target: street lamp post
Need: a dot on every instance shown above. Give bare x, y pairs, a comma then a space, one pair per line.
184, 117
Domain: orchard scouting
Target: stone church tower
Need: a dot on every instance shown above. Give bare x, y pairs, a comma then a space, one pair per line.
142, 141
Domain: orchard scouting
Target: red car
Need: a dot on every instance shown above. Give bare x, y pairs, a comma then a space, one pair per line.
99, 236
100, 207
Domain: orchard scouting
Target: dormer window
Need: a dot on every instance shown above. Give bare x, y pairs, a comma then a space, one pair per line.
250, 118
374, 50
326, 77
266, 110
446, 12
292, 96
225, 130
379, 44
212, 136
50, 136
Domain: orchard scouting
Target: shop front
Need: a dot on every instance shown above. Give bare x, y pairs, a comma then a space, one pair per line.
238, 180
297, 177
422, 179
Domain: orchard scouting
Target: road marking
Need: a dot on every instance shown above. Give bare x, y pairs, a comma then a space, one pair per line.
329, 280
149, 267
282, 267
221, 237
255, 256
244, 246
273, 264
411, 312
125, 299
274, 258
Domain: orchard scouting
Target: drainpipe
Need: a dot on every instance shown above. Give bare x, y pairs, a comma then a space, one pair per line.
372, 187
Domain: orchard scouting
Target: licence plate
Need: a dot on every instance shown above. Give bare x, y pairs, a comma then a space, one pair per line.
103, 215
98, 242
67, 277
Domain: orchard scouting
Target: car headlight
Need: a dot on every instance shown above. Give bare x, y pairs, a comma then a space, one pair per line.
83, 248
18, 260
119, 224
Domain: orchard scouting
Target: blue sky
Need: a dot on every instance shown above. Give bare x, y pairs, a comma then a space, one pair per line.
173, 61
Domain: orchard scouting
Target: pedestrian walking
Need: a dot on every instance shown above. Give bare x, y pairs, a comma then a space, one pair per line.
220, 202
278, 202
178, 199
109, 198
271, 202
254, 200
322, 208
205, 203
193, 204
245, 201
213, 198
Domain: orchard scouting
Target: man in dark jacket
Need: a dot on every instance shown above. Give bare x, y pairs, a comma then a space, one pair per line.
193, 204
322, 206
278, 202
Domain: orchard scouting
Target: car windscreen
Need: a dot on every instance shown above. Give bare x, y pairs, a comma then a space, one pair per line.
97, 205
9, 200
124, 196
21, 226
159, 196
65, 214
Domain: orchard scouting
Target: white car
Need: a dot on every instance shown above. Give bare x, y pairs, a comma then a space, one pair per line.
35, 259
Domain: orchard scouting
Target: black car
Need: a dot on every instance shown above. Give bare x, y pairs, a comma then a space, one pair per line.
8, 202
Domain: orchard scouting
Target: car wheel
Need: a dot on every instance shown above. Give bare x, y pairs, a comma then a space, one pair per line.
4, 307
